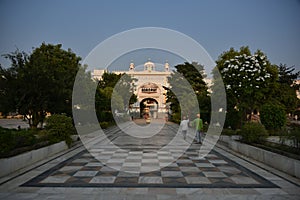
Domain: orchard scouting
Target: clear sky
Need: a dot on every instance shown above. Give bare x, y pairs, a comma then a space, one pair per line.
270, 25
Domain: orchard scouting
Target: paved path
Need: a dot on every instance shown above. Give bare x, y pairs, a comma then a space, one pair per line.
13, 123
141, 168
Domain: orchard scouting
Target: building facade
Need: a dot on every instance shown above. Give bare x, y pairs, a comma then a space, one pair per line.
149, 88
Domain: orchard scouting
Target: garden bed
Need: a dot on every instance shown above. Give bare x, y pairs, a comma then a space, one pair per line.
15, 163
284, 150
286, 146
16, 141
21, 150
283, 163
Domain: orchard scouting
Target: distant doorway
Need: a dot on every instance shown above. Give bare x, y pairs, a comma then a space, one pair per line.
149, 108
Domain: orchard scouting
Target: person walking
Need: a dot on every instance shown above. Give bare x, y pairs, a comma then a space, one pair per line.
184, 126
198, 124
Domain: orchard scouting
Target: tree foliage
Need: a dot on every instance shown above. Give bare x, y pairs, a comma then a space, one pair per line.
60, 127
285, 92
253, 133
251, 81
122, 98
273, 116
9, 81
195, 80
287, 74
248, 79
41, 82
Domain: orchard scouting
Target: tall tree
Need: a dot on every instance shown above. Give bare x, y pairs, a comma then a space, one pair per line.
285, 92
248, 79
287, 74
123, 96
9, 81
189, 72
44, 81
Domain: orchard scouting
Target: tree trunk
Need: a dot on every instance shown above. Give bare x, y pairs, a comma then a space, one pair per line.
35, 120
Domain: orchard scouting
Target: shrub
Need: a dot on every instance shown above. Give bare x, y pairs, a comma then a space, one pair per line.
104, 116
253, 132
229, 132
12, 139
273, 116
104, 125
59, 128
7, 142
25, 138
176, 118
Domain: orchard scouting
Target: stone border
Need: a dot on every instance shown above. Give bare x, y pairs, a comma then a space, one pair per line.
15, 163
288, 165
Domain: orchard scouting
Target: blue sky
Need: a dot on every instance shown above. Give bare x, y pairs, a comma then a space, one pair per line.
270, 25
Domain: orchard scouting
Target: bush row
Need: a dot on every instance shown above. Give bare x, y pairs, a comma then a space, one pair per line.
256, 133
58, 128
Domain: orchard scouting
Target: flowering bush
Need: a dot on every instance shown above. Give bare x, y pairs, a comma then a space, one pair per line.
244, 75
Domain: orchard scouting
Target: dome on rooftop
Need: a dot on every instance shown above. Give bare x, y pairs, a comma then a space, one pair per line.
149, 66
149, 63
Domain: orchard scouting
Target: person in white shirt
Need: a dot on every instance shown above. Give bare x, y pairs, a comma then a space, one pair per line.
184, 126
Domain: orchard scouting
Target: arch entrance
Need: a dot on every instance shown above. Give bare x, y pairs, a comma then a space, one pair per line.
149, 107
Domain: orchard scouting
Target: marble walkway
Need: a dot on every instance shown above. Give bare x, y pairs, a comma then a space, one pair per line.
141, 168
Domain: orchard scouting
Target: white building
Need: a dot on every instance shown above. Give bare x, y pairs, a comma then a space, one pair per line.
97, 73
149, 88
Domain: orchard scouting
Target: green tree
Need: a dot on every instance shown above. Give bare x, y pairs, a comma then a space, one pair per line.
9, 85
109, 80
273, 115
287, 75
83, 97
124, 86
248, 79
125, 90
189, 72
285, 92
44, 81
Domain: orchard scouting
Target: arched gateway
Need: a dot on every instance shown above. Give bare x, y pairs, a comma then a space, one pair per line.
149, 88
149, 106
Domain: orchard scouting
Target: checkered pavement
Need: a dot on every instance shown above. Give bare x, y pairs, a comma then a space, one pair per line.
149, 168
